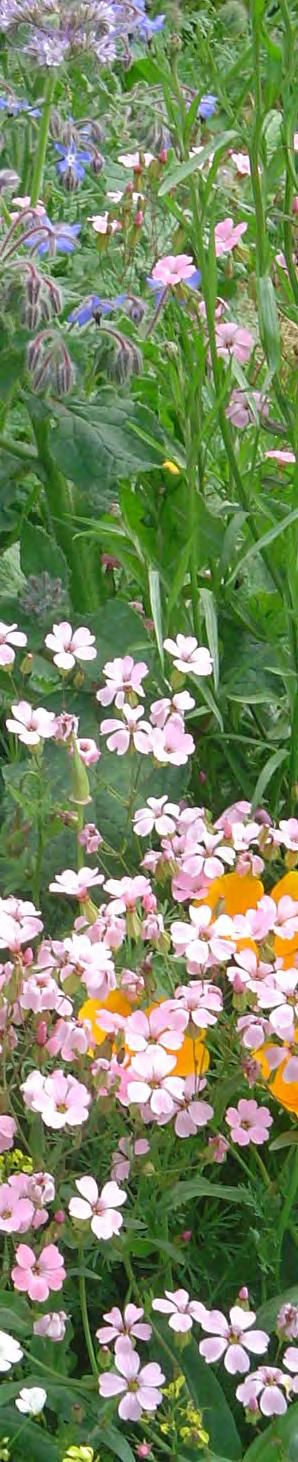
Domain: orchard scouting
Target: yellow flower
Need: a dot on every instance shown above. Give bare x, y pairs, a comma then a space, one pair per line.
81, 1454
172, 467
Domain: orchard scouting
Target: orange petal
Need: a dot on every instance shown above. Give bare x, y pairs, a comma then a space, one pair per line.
286, 885
237, 893
285, 1092
193, 1058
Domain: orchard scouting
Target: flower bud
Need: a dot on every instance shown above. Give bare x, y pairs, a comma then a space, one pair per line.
80, 792
97, 162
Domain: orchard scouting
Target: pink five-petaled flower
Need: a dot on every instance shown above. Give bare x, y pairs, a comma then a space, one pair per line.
284, 459
123, 734
172, 743
189, 656
10, 636
233, 340
36, 1276
69, 646
164, 1026
181, 1310
76, 885
202, 1000
130, 1323
203, 941
149, 1081
61, 1100
31, 726
191, 1113
173, 269
51, 1326
263, 1386
232, 1338
16, 1212
100, 1208
123, 676
159, 814
227, 236
249, 1122
140, 1389
7, 1131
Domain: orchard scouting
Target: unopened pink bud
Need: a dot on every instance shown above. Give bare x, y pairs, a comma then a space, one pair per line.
295, 204
138, 218
41, 1033
59, 1216
143, 1449
202, 777
186, 1235
253, 1405
28, 956
162, 155
238, 985
243, 1293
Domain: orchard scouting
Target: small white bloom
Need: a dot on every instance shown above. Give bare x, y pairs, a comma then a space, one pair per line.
31, 1400
10, 1351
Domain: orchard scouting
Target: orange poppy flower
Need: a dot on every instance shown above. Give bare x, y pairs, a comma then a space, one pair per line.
193, 1058
237, 893
285, 1092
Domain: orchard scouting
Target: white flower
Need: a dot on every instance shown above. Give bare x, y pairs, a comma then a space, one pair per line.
31, 1400
10, 1351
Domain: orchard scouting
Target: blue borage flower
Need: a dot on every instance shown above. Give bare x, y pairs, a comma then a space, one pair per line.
61, 236
72, 161
87, 310
207, 106
147, 27
160, 290
13, 105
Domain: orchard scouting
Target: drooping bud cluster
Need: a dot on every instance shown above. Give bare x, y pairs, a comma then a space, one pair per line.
49, 363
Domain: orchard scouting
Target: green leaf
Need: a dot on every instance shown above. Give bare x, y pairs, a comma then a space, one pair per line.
217, 147
204, 1389
94, 445
210, 616
201, 1188
33, 1444
40, 554
117, 1444
274, 761
14, 1313
279, 1443
178, 580
285, 1139
268, 320
263, 542
155, 601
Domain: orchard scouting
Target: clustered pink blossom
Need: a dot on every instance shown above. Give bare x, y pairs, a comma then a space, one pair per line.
38, 1275
139, 1387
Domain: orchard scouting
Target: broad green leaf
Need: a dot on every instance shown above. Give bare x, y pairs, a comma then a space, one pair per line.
40, 554
215, 149
285, 1139
271, 766
210, 616
117, 1444
155, 601
97, 444
11, 577
279, 1443
15, 1315
33, 1444
201, 1188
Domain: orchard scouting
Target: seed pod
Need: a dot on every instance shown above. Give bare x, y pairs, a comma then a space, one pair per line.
135, 309
97, 163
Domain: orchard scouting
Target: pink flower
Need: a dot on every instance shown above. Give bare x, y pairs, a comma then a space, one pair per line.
232, 1338
140, 1389
158, 814
16, 1213
76, 885
90, 838
189, 656
69, 646
126, 1324
126, 892
136, 160
31, 726
8, 1128
233, 340
202, 1000
172, 744
165, 1025
123, 676
283, 459
51, 1326
244, 410
249, 1123
203, 941
88, 750
241, 163
149, 1081
36, 1276
218, 1148
61, 1100
122, 734
181, 1310
93, 964
103, 224
282, 1001
287, 1321
100, 1208
287, 833
227, 235
264, 1386
9, 637
192, 1114
173, 269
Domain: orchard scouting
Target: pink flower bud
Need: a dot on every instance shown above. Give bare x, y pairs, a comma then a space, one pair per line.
41, 1032
59, 1216
143, 1449
28, 957
243, 1293
186, 1235
202, 777
162, 155
295, 204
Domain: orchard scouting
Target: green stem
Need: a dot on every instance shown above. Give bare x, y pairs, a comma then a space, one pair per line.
18, 449
288, 1205
40, 155
261, 242
86, 1326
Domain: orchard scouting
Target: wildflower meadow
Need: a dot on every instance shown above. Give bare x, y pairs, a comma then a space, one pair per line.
149, 731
